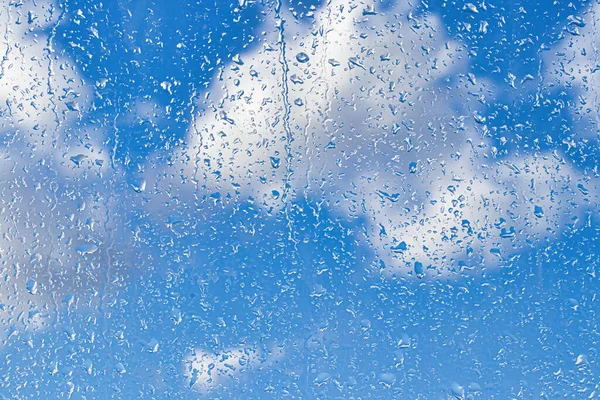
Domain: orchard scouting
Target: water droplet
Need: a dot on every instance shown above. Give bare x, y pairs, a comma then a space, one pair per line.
583, 189
139, 185
576, 21
457, 391
355, 62
70, 332
237, 59
72, 106
32, 286
322, 378
387, 379
120, 368
479, 118
404, 342
538, 211
400, 247
302, 57
508, 234
333, 62
472, 78
87, 248
275, 162
419, 270
78, 159
369, 10
153, 346
88, 366
412, 167
296, 79
393, 197
470, 7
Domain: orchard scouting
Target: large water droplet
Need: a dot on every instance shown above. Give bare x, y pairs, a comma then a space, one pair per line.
302, 57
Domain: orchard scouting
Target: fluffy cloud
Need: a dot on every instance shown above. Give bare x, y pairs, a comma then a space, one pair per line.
573, 63
40, 91
373, 112
206, 370
53, 198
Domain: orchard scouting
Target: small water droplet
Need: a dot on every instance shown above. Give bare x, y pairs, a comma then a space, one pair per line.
72, 106
153, 346
355, 62
480, 119
412, 167
387, 379
322, 378
404, 342
139, 185
237, 59
470, 7
419, 270
32, 286
87, 248
472, 78
275, 162
583, 189
78, 159
457, 391
400, 247
369, 10
120, 368
296, 79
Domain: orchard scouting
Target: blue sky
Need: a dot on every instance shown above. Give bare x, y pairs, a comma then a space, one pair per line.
337, 199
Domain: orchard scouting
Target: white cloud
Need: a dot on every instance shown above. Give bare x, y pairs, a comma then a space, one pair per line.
574, 63
365, 78
42, 96
206, 370
477, 214
384, 121
40, 90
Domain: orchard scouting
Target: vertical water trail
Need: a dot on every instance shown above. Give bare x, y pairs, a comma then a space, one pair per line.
194, 111
286, 118
50, 51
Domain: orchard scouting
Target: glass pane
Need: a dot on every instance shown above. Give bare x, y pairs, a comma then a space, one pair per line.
299, 199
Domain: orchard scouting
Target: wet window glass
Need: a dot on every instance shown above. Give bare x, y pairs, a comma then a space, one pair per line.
275, 199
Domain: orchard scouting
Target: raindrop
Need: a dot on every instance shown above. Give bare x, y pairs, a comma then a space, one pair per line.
387, 379
302, 57
78, 159
87, 248
120, 368
322, 378
412, 167
32, 286
275, 162
139, 185
419, 270
470, 7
